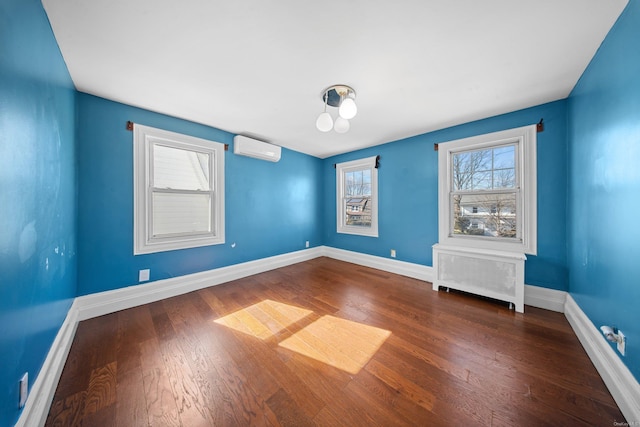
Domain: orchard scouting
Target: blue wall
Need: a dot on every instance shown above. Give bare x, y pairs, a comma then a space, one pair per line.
408, 194
588, 182
604, 176
37, 195
271, 208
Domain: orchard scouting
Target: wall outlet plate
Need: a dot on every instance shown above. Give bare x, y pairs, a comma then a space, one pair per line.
24, 389
393, 253
143, 275
622, 342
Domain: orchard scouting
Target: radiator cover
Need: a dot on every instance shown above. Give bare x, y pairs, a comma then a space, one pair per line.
494, 274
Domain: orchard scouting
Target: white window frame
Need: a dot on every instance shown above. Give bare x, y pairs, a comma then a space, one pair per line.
341, 170
144, 139
526, 165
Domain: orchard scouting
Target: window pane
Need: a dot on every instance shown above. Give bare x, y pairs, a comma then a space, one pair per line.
504, 167
504, 178
358, 183
181, 213
466, 165
491, 215
357, 211
180, 169
504, 157
481, 181
486, 169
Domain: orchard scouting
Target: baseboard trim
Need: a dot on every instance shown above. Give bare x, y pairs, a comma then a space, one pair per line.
416, 271
623, 386
102, 303
40, 397
535, 296
548, 299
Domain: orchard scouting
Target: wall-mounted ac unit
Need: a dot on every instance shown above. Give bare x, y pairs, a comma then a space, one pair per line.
250, 147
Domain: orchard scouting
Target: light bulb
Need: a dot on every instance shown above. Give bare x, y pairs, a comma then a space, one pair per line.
348, 108
342, 125
324, 122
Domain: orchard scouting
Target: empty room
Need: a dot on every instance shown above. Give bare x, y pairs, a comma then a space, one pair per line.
338, 213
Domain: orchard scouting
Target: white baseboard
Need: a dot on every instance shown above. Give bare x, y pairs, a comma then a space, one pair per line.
623, 386
548, 299
40, 397
102, 303
416, 271
535, 296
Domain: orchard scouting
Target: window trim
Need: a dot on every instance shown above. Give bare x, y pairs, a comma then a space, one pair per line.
144, 139
525, 138
355, 165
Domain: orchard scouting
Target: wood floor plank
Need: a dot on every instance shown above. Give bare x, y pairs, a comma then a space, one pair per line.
134, 326
208, 360
378, 398
131, 407
249, 408
67, 411
186, 392
102, 389
162, 408
457, 370
403, 386
287, 412
301, 345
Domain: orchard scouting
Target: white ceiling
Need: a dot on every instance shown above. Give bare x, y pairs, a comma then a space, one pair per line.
259, 67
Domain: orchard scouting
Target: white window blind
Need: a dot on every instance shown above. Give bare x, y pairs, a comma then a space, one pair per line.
178, 189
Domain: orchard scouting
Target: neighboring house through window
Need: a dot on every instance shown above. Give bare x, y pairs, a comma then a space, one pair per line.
178, 191
357, 197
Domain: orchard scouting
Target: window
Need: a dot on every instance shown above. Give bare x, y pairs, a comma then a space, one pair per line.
357, 197
178, 191
487, 191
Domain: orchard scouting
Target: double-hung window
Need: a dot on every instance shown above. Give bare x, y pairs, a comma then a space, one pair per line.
178, 191
357, 197
487, 191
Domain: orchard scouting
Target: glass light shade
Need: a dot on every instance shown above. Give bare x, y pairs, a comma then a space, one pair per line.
348, 108
324, 122
342, 125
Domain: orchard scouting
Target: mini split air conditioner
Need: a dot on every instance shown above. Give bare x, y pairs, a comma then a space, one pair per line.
250, 147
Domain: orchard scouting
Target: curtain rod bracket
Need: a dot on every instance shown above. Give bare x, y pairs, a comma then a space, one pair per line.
540, 126
130, 125
377, 161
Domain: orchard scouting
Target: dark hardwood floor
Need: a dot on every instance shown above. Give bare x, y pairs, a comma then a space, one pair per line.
329, 343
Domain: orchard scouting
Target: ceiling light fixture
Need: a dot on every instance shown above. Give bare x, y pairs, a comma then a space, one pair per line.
340, 96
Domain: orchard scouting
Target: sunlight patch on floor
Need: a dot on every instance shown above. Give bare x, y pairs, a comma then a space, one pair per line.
264, 319
343, 344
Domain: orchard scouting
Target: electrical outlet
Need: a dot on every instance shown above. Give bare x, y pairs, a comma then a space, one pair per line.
622, 342
24, 389
393, 253
306, 244
143, 275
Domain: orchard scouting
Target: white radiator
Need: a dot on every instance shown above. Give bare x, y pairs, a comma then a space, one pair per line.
494, 274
